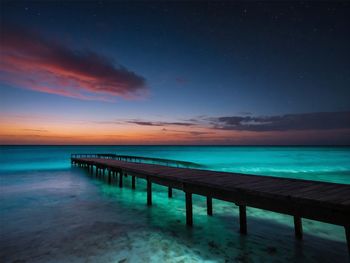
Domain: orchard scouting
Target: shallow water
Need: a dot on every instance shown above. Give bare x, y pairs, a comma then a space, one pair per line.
51, 212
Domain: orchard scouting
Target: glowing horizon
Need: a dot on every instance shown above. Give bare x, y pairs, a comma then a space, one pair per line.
147, 82
42, 130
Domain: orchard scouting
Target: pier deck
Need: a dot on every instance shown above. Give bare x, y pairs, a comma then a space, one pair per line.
320, 201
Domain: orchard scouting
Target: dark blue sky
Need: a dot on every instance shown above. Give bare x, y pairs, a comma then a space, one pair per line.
191, 59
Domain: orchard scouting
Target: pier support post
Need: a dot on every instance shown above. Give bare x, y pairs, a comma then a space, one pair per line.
347, 234
110, 176
298, 227
120, 179
170, 192
189, 214
209, 206
133, 182
242, 219
149, 192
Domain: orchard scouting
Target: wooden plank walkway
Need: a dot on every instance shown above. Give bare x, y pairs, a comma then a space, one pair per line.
320, 201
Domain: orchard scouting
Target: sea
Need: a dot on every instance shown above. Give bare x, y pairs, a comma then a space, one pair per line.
53, 212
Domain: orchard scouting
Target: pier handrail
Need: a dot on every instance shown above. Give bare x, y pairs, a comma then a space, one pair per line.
137, 159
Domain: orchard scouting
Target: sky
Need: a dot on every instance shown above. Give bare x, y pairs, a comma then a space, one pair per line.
223, 73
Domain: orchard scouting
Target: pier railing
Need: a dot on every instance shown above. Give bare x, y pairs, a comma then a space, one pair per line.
137, 159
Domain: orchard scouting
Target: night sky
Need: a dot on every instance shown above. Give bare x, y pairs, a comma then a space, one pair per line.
175, 73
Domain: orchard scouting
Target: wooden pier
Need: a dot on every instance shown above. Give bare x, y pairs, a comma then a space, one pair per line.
320, 201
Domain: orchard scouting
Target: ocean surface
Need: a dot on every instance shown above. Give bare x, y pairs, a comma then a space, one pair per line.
52, 212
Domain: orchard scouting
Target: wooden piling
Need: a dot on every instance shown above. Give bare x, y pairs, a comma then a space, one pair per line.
298, 227
170, 192
120, 179
149, 192
242, 219
209, 206
133, 182
189, 214
347, 234
110, 176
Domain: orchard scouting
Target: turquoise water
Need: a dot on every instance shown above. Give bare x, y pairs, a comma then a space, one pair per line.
53, 212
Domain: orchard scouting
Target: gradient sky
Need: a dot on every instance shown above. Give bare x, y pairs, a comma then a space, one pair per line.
174, 73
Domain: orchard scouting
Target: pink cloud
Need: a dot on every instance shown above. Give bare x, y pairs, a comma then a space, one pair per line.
31, 61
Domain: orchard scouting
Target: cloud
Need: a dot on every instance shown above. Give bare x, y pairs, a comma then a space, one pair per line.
34, 130
194, 133
288, 122
245, 113
181, 81
31, 61
159, 123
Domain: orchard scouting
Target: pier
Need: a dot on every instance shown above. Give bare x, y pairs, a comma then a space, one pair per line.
320, 201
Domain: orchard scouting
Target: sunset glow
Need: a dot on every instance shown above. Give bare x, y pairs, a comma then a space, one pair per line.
102, 84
